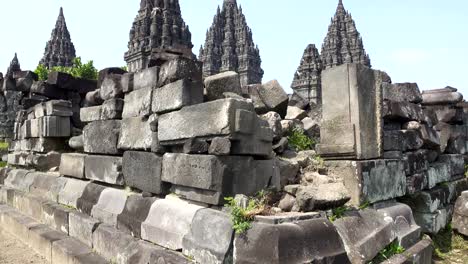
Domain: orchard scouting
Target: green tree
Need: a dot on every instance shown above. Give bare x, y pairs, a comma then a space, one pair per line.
42, 72
77, 70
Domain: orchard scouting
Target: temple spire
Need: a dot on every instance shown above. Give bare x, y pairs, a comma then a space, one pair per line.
307, 81
59, 50
343, 43
229, 46
14, 66
158, 32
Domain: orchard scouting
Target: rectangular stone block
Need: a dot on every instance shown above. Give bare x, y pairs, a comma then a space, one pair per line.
136, 134
142, 170
73, 165
434, 222
176, 95
351, 128
110, 242
134, 214
402, 111
55, 216
230, 118
82, 227
106, 169
102, 137
178, 69
438, 173
138, 103
55, 126
65, 251
112, 109
372, 180
41, 239
110, 204
208, 179
58, 108
147, 78
45, 145
455, 162
90, 114
72, 191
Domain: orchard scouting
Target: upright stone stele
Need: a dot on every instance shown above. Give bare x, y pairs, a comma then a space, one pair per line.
351, 121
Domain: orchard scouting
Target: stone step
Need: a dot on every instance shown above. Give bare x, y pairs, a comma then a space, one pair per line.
57, 247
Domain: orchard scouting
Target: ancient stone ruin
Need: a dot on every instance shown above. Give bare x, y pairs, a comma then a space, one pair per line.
162, 164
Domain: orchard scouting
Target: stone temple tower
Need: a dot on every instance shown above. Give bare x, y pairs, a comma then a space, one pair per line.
158, 32
14, 66
343, 43
229, 46
59, 50
306, 81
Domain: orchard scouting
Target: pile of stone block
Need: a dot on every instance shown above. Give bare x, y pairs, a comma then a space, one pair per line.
40, 134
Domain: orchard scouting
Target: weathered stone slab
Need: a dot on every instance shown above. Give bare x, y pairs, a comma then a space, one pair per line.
143, 252
18, 179
428, 201
416, 183
210, 237
142, 170
91, 114
138, 103
55, 216
102, 137
73, 165
111, 87
364, 233
455, 162
402, 140
460, 214
136, 134
127, 82
89, 198
82, 227
134, 214
106, 169
217, 85
58, 108
406, 229
208, 179
370, 181
110, 242
432, 223
420, 253
41, 239
402, 92
416, 162
438, 173
110, 204
178, 69
274, 97
290, 243
45, 145
55, 126
68, 249
112, 109
47, 185
351, 128
60, 79
438, 98
402, 111
168, 222
147, 78
176, 95
72, 191
230, 118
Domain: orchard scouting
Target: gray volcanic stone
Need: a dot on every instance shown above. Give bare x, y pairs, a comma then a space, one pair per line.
147, 78
106, 169
127, 82
460, 215
364, 233
168, 222
112, 109
55, 126
402, 92
402, 140
416, 162
73, 165
402, 111
438, 173
178, 69
138, 103
108, 71
456, 163
136, 134
110, 204
324, 196
231, 118
372, 180
220, 146
144, 252
76, 143
55, 216
93, 98
295, 113
45, 89
218, 84
41, 238
91, 114
441, 97
82, 227
432, 223
134, 213
111, 87
110, 242
290, 243
195, 146
274, 97
274, 121
210, 237
142, 170
72, 191
60, 79
416, 183
102, 137
89, 198
58, 108
176, 95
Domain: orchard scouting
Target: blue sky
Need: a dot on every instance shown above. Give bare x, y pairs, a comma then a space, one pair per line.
423, 41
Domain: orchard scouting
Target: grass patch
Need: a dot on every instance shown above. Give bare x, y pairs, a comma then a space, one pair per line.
4, 145
338, 213
388, 252
449, 247
3, 164
300, 141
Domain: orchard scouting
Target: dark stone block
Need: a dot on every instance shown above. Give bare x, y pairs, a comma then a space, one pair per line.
89, 198
108, 71
134, 213
61, 80
48, 90
142, 170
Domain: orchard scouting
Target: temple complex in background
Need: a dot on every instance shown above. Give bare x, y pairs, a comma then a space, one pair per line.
59, 50
343, 44
229, 46
158, 32
14, 67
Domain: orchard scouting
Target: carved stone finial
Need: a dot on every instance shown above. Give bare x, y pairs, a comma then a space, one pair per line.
14, 66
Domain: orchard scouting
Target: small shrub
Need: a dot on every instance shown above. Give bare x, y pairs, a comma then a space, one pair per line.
42, 72
242, 218
125, 68
338, 213
388, 252
3, 164
300, 141
3, 145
